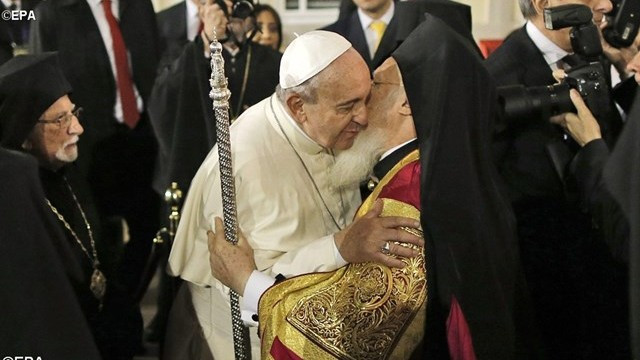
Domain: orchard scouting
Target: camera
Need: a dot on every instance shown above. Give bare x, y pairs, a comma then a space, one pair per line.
240, 9
622, 23
587, 75
542, 102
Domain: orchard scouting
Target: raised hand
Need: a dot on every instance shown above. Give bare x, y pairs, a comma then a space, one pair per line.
367, 237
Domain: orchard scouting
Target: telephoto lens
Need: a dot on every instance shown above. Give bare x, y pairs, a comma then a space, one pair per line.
523, 105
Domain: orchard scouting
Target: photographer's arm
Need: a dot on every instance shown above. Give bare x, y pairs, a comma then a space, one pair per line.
586, 168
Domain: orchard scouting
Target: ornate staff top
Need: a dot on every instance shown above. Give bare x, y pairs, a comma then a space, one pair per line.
220, 95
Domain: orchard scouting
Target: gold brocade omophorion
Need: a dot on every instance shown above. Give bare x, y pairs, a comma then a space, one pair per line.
360, 311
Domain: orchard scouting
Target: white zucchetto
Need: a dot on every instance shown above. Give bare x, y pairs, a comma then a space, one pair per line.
309, 54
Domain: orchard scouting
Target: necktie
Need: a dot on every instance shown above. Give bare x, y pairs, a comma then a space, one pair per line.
123, 77
378, 27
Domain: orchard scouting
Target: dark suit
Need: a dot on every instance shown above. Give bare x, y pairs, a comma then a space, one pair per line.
118, 160
561, 255
407, 16
351, 28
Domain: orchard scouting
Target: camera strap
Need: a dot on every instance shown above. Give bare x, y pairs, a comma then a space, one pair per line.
243, 89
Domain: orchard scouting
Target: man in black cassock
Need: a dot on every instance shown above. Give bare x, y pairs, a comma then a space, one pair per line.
180, 108
37, 117
109, 54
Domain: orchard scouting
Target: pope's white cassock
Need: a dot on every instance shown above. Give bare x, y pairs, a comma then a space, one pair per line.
286, 207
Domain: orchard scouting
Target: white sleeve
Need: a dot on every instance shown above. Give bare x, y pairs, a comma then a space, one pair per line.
340, 261
318, 255
257, 284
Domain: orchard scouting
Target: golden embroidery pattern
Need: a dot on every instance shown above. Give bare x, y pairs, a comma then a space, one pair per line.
361, 315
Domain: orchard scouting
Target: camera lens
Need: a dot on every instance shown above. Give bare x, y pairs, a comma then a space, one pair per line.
242, 9
534, 103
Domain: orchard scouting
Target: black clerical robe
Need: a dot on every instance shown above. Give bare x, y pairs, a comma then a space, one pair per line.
117, 326
181, 111
622, 179
40, 313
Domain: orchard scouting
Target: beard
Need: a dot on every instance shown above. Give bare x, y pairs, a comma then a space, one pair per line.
354, 165
69, 155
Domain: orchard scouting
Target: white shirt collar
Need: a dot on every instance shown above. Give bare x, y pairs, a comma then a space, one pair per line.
365, 20
192, 12
193, 20
388, 152
552, 53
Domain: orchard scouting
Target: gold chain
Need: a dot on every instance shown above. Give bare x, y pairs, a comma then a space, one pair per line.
93, 260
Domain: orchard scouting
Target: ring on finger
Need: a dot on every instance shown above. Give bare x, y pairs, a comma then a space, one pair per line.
386, 248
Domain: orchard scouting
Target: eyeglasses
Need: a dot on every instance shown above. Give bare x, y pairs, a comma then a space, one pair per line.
374, 83
64, 120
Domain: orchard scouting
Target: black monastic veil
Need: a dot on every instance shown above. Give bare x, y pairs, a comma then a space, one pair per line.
471, 245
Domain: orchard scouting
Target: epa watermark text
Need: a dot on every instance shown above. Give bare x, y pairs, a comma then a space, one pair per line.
18, 15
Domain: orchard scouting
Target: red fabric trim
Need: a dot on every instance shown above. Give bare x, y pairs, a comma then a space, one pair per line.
280, 352
405, 185
487, 46
458, 334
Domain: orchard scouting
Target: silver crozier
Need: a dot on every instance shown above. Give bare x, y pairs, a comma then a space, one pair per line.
220, 95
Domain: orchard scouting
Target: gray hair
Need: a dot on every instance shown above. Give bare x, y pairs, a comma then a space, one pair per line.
527, 9
308, 90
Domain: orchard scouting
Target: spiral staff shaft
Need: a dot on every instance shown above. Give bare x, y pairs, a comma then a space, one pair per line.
220, 95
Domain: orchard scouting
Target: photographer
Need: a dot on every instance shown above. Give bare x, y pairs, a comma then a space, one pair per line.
179, 106
561, 256
588, 164
586, 168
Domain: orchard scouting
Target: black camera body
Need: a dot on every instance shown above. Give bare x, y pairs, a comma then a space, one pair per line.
591, 82
240, 9
622, 23
587, 75
542, 102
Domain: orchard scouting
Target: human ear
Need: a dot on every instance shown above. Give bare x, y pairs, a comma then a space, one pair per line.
539, 5
405, 108
296, 108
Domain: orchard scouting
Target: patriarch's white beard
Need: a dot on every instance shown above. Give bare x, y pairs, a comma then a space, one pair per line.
354, 165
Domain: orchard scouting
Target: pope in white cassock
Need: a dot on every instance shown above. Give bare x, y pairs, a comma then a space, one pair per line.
294, 219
